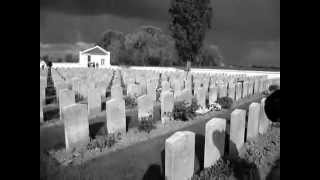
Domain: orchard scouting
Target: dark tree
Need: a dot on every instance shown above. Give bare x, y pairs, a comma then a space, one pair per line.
68, 58
113, 41
190, 19
45, 58
149, 45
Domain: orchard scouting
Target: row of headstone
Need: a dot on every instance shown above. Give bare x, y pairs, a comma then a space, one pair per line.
180, 147
76, 122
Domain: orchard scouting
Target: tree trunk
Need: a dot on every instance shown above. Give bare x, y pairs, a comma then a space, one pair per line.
188, 65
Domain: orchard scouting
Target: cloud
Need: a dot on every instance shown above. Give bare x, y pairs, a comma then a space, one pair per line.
237, 24
61, 49
248, 19
264, 53
66, 28
149, 9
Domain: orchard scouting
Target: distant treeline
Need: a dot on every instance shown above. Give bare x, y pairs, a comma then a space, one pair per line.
150, 46
67, 58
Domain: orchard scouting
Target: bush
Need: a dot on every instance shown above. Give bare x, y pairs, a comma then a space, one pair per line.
225, 102
146, 124
273, 87
182, 111
221, 170
130, 101
102, 142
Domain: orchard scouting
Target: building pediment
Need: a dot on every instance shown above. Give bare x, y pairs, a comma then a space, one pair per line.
97, 50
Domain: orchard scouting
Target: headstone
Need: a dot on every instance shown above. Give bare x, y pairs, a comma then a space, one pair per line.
94, 101
237, 130
151, 90
188, 83
238, 91
179, 155
231, 91
256, 87
133, 90
41, 112
43, 81
116, 92
263, 119
201, 97
222, 90
61, 86
213, 94
76, 85
165, 86
42, 95
145, 106
116, 116
250, 89
253, 120
76, 126
245, 89
167, 103
184, 96
177, 84
214, 141
66, 98
102, 87
83, 89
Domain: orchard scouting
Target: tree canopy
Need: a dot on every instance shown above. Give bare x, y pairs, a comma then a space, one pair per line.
148, 45
190, 20
112, 41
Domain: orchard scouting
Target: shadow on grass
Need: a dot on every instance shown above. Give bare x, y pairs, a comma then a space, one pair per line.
241, 168
156, 171
153, 173
51, 114
274, 174
199, 153
98, 128
218, 139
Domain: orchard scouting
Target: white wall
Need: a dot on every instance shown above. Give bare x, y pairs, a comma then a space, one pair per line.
270, 74
67, 65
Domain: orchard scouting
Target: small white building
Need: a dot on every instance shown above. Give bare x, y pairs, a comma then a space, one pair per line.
43, 64
96, 55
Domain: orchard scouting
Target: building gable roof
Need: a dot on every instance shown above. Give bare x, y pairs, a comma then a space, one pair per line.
97, 50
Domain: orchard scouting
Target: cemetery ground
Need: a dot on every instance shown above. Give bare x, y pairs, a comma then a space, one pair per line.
140, 155
87, 108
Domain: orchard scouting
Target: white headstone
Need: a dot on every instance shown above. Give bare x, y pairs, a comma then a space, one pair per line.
94, 101
179, 156
213, 94
66, 98
232, 91
145, 106
222, 90
116, 92
263, 119
214, 141
167, 103
116, 115
237, 129
253, 120
238, 91
76, 126
201, 97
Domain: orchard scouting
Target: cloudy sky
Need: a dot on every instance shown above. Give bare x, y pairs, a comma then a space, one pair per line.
246, 31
